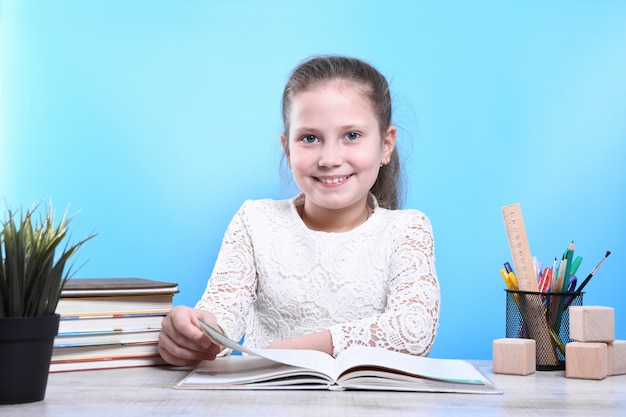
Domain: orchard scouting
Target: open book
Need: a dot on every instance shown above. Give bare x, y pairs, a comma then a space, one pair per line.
362, 368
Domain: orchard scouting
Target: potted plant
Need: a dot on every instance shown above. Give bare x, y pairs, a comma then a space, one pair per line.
32, 275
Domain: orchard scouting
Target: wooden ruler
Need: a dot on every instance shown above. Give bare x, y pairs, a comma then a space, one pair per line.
529, 305
520, 250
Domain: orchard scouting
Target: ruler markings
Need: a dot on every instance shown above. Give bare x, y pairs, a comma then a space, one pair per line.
520, 250
530, 307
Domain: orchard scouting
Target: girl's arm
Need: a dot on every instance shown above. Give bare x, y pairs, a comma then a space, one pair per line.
231, 288
321, 341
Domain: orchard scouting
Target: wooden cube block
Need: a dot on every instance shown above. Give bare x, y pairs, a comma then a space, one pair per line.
514, 356
591, 324
586, 360
616, 360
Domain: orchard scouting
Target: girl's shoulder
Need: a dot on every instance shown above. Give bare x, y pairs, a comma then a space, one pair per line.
267, 204
267, 208
403, 222
403, 216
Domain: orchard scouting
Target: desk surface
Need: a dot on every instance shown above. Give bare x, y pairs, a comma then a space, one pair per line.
148, 391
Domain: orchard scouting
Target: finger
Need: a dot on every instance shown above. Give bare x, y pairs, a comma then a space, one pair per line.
211, 320
183, 333
182, 341
176, 354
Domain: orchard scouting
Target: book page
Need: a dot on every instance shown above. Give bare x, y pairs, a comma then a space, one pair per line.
252, 372
449, 370
310, 359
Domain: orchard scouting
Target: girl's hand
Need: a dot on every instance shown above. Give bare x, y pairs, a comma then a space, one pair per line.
321, 341
181, 340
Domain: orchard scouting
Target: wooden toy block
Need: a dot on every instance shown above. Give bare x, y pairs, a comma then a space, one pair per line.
592, 324
514, 356
616, 360
586, 360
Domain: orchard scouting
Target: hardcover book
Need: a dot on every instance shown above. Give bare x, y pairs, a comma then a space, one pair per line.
106, 287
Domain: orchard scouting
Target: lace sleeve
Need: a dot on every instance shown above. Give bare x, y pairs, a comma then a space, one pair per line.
410, 320
231, 289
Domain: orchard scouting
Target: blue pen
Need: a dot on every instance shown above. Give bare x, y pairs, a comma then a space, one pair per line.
571, 285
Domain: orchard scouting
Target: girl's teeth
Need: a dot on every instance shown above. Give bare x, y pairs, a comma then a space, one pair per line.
332, 180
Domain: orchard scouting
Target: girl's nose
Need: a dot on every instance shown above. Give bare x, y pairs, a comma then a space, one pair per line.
330, 155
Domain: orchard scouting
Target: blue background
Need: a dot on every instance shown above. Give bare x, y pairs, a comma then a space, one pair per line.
157, 119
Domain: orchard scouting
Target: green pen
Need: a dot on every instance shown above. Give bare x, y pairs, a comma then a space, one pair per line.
569, 254
576, 264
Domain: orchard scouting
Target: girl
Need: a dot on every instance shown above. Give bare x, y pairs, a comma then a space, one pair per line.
337, 265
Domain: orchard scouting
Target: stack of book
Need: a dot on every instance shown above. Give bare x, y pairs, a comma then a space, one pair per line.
110, 323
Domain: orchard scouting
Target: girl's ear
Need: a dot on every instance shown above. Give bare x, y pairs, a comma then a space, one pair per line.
284, 142
389, 144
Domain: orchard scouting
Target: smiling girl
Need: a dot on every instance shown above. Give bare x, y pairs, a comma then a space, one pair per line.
337, 265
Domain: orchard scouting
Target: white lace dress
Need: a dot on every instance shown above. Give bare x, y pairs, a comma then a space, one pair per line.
375, 285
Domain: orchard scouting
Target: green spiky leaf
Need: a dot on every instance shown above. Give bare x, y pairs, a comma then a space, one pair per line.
34, 265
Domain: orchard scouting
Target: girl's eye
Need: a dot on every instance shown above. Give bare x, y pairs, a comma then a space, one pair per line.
352, 135
309, 139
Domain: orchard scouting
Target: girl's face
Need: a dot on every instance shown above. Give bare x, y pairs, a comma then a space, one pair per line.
334, 146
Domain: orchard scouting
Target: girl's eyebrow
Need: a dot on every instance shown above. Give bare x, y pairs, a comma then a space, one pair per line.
352, 126
305, 130
343, 128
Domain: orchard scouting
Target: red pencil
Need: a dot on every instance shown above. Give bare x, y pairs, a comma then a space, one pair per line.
546, 280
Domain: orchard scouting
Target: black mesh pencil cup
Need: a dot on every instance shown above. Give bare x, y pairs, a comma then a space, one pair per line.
543, 317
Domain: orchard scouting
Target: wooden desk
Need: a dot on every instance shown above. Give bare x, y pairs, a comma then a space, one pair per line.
149, 392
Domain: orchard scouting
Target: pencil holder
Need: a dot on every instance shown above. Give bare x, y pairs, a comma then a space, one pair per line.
545, 318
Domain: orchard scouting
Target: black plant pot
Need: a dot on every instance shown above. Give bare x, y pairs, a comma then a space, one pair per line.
25, 354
